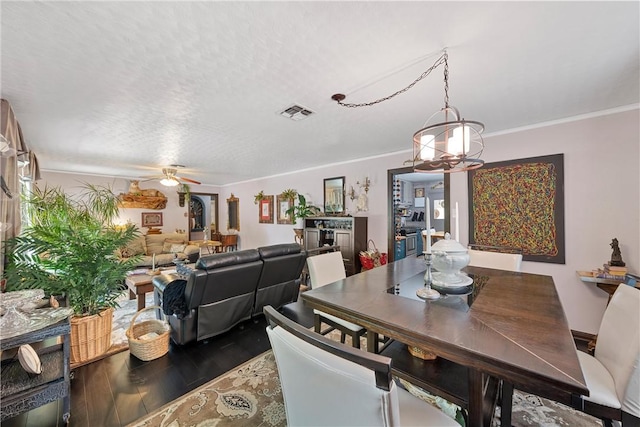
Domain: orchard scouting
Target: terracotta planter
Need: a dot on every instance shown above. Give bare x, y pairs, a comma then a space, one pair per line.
90, 335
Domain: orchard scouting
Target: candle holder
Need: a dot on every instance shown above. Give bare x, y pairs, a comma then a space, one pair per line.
427, 292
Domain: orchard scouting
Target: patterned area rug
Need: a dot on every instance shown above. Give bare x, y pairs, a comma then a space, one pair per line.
251, 395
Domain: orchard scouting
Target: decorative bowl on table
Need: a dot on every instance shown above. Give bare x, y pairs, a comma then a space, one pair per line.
448, 258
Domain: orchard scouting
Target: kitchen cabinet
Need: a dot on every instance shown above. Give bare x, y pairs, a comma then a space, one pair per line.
401, 249
406, 192
350, 233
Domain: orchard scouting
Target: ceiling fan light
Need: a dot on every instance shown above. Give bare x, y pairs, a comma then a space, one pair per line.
169, 182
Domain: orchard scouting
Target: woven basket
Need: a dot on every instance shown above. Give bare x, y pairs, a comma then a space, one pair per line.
90, 335
421, 353
148, 349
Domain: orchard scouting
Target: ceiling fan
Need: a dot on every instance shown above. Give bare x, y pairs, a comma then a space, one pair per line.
169, 178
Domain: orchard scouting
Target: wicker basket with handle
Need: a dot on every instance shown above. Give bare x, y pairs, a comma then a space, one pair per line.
151, 347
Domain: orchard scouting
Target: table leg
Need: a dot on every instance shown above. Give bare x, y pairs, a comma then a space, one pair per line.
373, 342
141, 301
475, 398
506, 403
132, 295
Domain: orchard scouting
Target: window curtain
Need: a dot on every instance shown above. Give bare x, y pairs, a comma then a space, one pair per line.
11, 135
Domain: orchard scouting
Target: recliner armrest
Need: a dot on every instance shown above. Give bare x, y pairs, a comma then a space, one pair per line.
171, 288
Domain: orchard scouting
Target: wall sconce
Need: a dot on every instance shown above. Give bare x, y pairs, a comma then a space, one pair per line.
365, 184
351, 193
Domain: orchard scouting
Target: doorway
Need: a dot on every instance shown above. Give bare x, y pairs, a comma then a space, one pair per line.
202, 216
408, 193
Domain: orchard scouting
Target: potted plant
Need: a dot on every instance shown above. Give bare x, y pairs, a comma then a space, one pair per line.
300, 211
70, 249
184, 193
290, 194
258, 197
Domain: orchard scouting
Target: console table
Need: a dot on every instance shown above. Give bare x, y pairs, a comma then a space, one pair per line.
607, 285
22, 392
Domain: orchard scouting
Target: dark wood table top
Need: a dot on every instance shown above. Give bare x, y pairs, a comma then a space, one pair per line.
515, 329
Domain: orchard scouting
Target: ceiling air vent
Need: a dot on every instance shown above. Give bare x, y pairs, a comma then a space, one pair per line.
296, 112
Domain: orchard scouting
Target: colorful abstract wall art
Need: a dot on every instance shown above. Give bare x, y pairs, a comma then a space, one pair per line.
519, 204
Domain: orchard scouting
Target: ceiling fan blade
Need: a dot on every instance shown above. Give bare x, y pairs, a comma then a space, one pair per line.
193, 181
150, 178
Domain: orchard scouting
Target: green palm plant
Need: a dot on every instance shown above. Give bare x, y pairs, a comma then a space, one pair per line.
70, 248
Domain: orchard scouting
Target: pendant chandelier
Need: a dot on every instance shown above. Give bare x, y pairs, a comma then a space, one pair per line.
446, 143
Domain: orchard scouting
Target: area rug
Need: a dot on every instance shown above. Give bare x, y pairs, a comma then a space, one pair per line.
251, 395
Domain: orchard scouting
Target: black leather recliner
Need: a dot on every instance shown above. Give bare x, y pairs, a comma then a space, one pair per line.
279, 282
218, 295
228, 288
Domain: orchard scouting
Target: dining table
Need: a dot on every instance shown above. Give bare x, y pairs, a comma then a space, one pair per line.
509, 330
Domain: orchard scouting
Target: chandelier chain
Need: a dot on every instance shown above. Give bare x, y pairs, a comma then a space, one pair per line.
446, 81
439, 61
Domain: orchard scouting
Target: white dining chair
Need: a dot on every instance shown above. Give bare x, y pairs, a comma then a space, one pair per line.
324, 269
326, 383
612, 374
496, 260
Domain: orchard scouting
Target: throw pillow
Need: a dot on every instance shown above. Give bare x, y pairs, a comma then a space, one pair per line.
177, 248
134, 247
168, 243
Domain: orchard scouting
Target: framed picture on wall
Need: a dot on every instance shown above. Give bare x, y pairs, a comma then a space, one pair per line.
151, 219
265, 213
520, 204
283, 205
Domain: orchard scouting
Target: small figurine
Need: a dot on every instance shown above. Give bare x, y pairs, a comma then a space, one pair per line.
616, 256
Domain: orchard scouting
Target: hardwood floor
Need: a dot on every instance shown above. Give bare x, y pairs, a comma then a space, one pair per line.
120, 389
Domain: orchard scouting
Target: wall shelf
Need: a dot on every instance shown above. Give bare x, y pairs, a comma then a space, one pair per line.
144, 202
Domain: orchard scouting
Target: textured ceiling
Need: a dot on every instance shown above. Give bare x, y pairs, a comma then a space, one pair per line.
125, 88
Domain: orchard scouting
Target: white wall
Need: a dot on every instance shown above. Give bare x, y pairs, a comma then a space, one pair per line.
173, 216
602, 193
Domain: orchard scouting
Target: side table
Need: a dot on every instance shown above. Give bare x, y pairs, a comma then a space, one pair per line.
22, 392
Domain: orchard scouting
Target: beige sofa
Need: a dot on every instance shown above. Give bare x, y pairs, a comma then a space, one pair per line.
166, 247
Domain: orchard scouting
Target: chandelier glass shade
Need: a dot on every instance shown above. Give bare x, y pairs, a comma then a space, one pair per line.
453, 145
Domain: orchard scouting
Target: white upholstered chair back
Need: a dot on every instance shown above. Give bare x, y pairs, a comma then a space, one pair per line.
496, 260
618, 346
326, 268
321, 388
